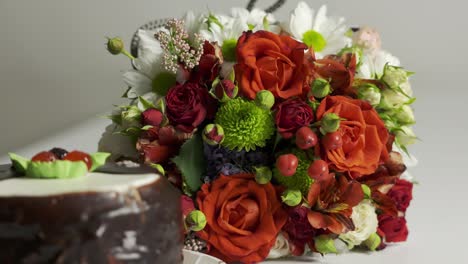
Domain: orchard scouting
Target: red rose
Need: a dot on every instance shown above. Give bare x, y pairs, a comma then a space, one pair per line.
401, 193
188, 105
292, 115
394, 228
152, 117
267, 61
243, 218
363, 133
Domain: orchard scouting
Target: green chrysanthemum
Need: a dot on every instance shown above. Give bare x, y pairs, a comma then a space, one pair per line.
246, 125
300, 180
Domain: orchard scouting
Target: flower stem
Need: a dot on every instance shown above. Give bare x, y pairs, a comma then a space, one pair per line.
126, 53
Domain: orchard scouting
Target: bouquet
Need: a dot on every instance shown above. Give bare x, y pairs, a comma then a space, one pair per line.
286, 137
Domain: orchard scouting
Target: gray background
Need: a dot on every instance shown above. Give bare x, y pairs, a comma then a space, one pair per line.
55, 74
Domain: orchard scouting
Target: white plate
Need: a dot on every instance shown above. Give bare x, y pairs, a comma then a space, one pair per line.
192, 257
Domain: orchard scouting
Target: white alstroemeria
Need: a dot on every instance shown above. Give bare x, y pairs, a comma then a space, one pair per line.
327, 35
280, 248
373, 64
116, 144
148, 65
365, 221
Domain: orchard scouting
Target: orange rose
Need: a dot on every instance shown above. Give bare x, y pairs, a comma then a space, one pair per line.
364, 136
267, 61
243, 218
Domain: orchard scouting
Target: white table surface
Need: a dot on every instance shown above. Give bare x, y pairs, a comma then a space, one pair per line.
437, 217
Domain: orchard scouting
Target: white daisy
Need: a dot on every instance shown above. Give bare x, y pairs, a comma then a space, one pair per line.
372, 65
327, 35
148, 65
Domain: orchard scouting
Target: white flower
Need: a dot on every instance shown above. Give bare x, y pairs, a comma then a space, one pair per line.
370, 94
280, 248
394, 99
405, 136
365, 222
221, 28
373, 64
327, 35
409, 160
148, 65
116, 144
341, 247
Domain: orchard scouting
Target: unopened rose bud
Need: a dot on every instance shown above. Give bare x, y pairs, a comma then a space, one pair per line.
330, 123
195, 220
115, 45
366, 190
291, 197
320, 88
392, 99
225, 90
213, 134
370, 93
325, 244
263, 175
394, 76
151, 117
265, 99
373, 242
405, 115
405, 136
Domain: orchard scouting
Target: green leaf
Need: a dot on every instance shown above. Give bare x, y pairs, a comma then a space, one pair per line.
98, 159
147, 127
19, 163
366, 190
191, 162
59, 169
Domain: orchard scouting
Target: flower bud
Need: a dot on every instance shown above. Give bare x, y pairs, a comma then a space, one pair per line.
213, 134
369, 93
394, 76
225, 90
195, 220
291, 197
373, 242
151, 117
329, 123
405, 115
265, 99
392, 99
366, 190
325, 244
405, 136
320, 88
263, 175
115, 45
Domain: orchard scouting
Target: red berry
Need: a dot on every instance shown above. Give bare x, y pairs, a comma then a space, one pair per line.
306, 138
287, 164
79, 156
318, 170
332, 141
44, 156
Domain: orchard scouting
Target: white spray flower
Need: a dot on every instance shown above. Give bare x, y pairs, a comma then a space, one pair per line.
365, 220
280, 248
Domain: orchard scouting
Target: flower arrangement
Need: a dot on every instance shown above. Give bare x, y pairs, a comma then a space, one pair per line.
286, 138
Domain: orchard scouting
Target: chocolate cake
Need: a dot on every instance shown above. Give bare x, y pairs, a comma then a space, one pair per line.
98, 218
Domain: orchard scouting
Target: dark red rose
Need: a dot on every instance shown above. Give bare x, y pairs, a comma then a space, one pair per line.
188, 105
394, 228
152, 117
299, 230
292, 115
401, 193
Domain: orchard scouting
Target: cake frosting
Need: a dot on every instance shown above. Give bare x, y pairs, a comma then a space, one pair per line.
97, 218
